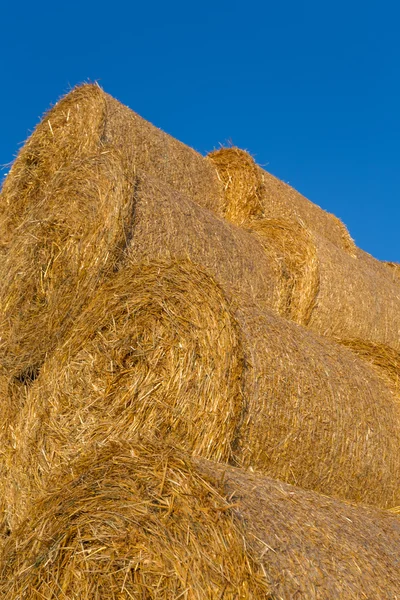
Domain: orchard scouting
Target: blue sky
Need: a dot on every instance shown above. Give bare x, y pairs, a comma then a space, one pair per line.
311, 89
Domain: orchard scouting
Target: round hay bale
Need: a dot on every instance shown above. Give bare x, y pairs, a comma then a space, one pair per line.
68, 132
358, 298
130, 521
242, 182
66, 243
292, 248
352, 295
161, 349
311, 546
158, 351
66, 211
275, 199
84, 123
316, 415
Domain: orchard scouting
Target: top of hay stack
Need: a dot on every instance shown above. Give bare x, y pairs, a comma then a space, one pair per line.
97, 189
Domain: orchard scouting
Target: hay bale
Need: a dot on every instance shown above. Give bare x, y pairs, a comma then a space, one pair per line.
384, 359
69, 240
242, 183
317, 416
159, 349
130, 521
311, 546
326, 282
357, 298
82, 124
290, 246
87, 227
253, 192
284, 359
66, 210
146, 520
70, 131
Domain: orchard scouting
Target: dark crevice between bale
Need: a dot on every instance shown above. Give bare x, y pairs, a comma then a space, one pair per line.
129, 224
28, 375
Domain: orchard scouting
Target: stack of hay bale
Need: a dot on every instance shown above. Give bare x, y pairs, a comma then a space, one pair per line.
199, 376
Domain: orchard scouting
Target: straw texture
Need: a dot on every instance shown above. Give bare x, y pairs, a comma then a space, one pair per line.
159, 350
64, 212
310, 546
146, 520
182, 338
326, 282
130, 521
246, 184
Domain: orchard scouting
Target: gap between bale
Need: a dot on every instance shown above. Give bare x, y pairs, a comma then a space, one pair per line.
127, 521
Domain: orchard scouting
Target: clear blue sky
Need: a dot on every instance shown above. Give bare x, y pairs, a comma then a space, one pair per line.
312, 89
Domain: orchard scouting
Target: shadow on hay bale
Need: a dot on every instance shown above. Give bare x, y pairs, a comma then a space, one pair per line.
349, 293
160, 348
146, 520
130, 521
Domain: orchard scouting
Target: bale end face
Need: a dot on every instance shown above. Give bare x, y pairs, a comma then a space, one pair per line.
130, 521
242, 181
